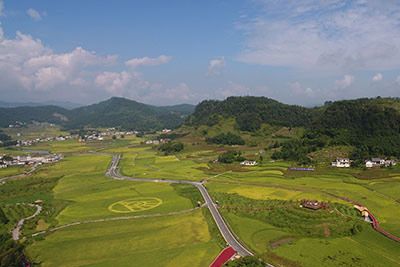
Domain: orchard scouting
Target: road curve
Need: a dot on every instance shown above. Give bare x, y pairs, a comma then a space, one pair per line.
222, 226
16, 232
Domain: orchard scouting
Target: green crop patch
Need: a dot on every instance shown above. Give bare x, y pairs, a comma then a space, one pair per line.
135, 205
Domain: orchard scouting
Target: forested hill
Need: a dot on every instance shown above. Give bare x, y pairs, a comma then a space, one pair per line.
250, 112
371, 126
114, 112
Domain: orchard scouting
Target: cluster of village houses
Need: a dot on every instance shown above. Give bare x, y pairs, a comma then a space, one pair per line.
28, 160
370, 163
88, 137
45, 139
109, 132
159, 141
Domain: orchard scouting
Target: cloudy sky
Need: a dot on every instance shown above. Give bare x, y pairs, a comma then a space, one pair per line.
167, 52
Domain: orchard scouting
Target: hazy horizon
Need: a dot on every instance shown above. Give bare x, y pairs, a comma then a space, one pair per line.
166, 53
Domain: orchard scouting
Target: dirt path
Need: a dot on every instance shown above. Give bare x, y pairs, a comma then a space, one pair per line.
117, 219
4, 179
16, 232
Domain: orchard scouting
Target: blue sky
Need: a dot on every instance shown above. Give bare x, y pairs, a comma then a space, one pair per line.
168, 52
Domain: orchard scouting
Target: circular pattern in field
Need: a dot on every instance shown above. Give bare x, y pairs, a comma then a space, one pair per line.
135, 204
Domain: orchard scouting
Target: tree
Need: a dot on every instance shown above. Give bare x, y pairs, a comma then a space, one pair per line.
171, 147
248, 261
226, 139
230, 157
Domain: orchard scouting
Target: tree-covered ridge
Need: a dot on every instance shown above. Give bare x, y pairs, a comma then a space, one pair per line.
250, 112
115, 112
372, 125
369, 125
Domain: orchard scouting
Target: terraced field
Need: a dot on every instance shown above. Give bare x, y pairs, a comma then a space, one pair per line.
75, 190
142, 242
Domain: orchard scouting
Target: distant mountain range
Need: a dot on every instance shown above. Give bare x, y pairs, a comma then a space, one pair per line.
114, 112
66, 104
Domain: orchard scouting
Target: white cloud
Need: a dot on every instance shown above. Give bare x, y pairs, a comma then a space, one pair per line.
332, 34
27, 63
132, 85
216, 65
377, 77
345, 82
148, 61
117, 83
34, 14
298, 89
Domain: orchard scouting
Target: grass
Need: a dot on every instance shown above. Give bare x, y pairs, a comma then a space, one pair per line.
33, 131
89, 193
146, 163
365, 249
335, 220
11, 171
142, 242
75, 189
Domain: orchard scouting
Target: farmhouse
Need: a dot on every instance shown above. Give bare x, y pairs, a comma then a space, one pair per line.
248, 163
313, 204
378, 162
341, 163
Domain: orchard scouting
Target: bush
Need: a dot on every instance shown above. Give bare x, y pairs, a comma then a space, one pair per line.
230, 157
226, 139
171, 147
3, 217
248, 261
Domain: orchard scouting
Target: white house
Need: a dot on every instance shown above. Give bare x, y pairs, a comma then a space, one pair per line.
341, 163
378, 162
248, 163
369, 164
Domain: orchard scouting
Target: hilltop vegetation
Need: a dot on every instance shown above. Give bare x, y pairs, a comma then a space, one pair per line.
370, 126
250, 112
115, 112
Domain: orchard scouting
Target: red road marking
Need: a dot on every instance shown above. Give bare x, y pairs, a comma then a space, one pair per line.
223, 257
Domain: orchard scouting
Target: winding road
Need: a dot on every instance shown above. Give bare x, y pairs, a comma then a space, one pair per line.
16, 232
222, 226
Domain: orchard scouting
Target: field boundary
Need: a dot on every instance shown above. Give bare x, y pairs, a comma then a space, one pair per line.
120, 218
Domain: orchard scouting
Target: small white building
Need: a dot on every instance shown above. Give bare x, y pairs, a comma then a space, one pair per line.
369, 164
341, 163
248, 163
378, 162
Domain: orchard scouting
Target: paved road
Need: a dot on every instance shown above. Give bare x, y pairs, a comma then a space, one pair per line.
222, 226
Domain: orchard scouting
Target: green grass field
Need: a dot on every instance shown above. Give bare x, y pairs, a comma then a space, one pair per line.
90, 193
182, 240
33, 131
11, 171
76, 190
87, 194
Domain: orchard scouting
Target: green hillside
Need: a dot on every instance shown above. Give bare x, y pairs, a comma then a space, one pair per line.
370, 127
115, 112
250, 112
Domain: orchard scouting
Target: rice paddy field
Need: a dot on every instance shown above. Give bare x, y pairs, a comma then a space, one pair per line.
161, 228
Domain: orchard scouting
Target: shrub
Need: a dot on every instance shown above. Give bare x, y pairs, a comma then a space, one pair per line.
226, 139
